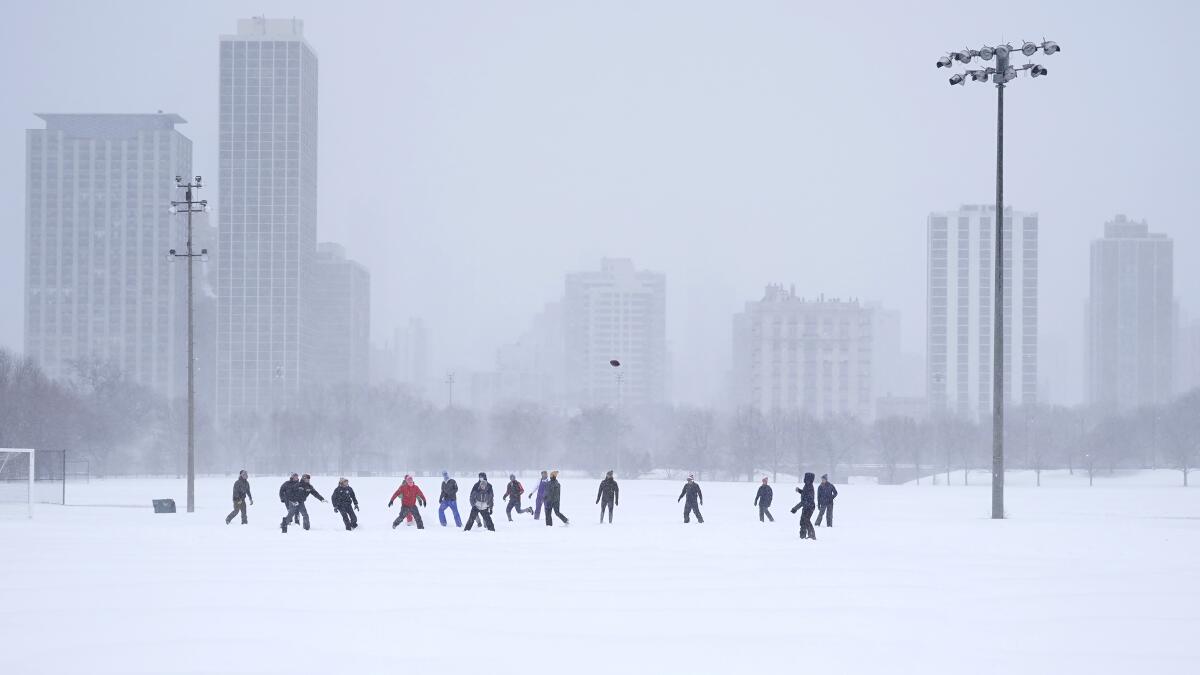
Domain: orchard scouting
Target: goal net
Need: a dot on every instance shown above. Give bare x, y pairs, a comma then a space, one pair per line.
17, 478
29, 477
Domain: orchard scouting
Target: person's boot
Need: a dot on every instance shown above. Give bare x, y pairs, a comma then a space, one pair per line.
228, 520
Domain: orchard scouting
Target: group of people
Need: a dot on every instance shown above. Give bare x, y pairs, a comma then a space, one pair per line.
547, 497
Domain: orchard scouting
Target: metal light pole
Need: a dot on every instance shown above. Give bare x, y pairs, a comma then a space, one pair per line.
190, 206
620, 409
1000, 76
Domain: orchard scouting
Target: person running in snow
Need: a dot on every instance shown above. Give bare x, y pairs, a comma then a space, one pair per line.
345, 502
512, 494
762, 499
297, 495
285, 492
608, 495
241, 492
826, 493
695, 499
410, 495
482, 501
448, 499
554, 499
540, 496
807, 502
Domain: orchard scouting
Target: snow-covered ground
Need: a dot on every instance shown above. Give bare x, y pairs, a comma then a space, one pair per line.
913, 579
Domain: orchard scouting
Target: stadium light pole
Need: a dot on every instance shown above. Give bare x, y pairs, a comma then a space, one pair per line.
616, 364
189, 206
1000, 75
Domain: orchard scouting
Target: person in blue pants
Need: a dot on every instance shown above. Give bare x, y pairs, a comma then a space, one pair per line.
540, 496
448, 500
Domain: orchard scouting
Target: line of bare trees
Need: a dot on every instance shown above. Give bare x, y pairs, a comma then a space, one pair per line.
123, 428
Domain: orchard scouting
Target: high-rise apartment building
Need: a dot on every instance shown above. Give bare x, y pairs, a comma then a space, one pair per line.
1131, 317
961, 302
98, 285
618, 312
341, 315
268, 214
815, 356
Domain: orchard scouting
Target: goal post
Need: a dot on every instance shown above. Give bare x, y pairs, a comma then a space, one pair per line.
18, 477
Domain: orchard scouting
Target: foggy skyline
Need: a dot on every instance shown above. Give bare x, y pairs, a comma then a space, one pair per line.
471, 157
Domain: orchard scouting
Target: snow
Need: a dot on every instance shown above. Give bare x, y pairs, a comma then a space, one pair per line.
913, 579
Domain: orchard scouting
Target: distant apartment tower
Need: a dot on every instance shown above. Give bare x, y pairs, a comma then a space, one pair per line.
960, 302
341, 315
412, 354
268, 215
1131, 317
618, 312
814, 356
531, 368
98, 285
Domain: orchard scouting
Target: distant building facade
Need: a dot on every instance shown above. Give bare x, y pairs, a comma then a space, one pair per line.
617, 312
1131, 317
268, 215
98, 284
809, 355
960, 296
532, 368
341, 312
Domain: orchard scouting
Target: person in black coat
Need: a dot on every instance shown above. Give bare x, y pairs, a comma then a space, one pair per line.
345, 502
285, 493
448, 499
608, 495
483, 499
554, 499
297, 494
512, 494
695, 499
808, 502
241, 492
762, 499
826, 493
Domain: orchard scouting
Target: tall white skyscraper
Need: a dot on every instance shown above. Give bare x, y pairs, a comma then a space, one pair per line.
815, 355
1131, 317
98, 285
618, 312
960, 303
268, 214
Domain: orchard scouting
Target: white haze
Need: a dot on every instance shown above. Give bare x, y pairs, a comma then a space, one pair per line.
471, 153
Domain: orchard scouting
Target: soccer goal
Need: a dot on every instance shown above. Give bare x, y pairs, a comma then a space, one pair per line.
17, 480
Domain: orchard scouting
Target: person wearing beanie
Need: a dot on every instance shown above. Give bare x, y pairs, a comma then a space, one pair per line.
540, 495
808, 502
410, 495
762, 499
826, 493
512, 494
285, 492
482, 501
448, 499
695, 499
608, 495
297, 495
553, 500
345, 502
241, 492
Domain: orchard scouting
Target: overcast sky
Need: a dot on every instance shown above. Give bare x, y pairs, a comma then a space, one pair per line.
471, 153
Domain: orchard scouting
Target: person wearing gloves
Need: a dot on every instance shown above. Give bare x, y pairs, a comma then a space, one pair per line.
540, 496
345, 502
410, 495
298, 493
826, 493
762, 499
695, 499
808, 501
285, 491
448, 499
482, 501
608, 495
554, 499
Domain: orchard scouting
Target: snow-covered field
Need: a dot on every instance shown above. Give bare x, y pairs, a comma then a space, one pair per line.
913, 579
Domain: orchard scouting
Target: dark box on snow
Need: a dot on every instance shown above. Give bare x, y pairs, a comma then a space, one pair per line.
164, 506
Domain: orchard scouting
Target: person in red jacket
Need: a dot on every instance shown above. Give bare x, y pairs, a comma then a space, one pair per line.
410, 495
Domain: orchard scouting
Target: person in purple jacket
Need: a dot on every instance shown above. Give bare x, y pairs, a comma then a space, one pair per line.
540, 496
